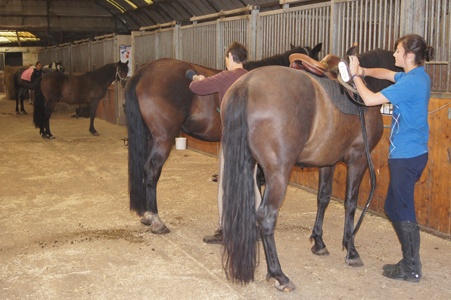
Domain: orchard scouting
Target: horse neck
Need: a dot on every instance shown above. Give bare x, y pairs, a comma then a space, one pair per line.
104, 75
378, 59
278, 59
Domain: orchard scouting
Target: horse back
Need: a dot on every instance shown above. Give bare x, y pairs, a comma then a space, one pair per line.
57, 87
297, 108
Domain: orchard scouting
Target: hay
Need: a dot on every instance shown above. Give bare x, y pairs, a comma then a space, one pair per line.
8, 81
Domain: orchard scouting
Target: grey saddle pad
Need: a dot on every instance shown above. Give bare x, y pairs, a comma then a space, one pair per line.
340, 100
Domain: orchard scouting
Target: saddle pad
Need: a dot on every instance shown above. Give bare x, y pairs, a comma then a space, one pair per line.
26, 75
339, 99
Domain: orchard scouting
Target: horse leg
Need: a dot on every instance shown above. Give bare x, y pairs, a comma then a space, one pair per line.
152, 170
18, 94
22, 109
45, 130
356, 170
31, 97
92, 114
326, 175
49, 134
19, 100
266, 218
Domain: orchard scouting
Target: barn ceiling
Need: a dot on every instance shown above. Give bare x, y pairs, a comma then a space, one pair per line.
55, 22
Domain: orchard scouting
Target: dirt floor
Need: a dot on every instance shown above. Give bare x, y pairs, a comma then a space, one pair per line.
66, 231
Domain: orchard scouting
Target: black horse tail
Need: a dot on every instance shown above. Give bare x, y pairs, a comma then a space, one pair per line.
39, 115
137, 147
239, 255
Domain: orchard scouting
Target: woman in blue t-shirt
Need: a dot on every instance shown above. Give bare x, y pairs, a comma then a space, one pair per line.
408, 142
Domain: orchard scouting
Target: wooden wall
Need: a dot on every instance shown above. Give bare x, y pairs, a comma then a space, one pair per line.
107, 106
432, 191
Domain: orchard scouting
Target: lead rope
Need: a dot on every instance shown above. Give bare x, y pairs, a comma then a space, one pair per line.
372, 177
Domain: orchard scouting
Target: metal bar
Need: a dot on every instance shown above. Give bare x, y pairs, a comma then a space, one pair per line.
223, 13
104, 36
173, 23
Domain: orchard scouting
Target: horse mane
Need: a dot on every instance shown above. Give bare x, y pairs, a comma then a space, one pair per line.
378, 58
283, 59
102, 74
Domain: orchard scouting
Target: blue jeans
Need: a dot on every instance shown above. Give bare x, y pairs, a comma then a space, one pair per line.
404, 172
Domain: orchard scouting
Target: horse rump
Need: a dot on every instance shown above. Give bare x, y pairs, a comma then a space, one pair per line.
239, 255
138, 151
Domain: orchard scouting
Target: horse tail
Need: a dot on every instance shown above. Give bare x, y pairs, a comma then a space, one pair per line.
39, 116
239, 255
137, 147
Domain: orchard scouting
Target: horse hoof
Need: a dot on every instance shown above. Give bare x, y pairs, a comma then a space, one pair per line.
355, 262
286, 287
24, 112
156, 225
162, 229
320, 252
95, 133
17, 112
51, 137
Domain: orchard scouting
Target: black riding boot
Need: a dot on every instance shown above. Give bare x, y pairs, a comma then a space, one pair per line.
409, 267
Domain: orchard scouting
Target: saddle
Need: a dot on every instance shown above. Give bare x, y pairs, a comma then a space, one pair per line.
328, 66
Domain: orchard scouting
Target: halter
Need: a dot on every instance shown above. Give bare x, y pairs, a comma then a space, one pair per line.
118, 75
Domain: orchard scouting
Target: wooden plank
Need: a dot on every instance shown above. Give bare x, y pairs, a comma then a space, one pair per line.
207, 147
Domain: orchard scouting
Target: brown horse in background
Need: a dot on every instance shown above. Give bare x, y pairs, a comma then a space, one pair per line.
282, 117
24, 87
89, 88
159, 104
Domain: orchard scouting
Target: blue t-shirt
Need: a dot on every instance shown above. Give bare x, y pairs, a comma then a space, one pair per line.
410, 98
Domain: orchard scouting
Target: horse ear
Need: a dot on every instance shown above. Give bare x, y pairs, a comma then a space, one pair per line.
354, 50
292, 46
317, 48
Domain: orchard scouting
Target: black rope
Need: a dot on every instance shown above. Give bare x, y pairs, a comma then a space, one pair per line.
372, 176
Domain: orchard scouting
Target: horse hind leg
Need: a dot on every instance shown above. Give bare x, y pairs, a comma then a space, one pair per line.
21, 93
152, 170
267, 218
92, 113
18, 94
326, 175
22, 108
45, 130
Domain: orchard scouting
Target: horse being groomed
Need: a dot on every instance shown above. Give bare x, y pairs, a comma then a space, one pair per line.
90, 88
278, 118
159, 104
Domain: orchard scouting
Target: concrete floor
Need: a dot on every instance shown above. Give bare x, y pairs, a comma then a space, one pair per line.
67, 232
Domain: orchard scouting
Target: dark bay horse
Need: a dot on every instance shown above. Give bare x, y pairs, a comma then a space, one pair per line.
159, 104
23, 87
284, 58
90, 88
278, 118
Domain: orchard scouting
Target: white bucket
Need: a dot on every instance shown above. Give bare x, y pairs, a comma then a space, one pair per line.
180, 143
